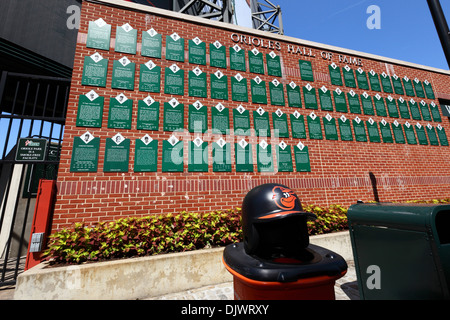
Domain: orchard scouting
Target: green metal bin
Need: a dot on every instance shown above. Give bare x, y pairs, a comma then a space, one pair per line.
401, 251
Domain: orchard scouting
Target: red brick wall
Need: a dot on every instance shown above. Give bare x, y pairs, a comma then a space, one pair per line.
340, 169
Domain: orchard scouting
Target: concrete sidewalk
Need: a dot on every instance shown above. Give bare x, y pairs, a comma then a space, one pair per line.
346, 288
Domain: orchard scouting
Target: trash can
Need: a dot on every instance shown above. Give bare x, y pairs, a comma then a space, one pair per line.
401, 251
275, 261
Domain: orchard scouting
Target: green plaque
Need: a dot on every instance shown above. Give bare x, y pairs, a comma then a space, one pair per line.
85, 153
367, 104
314, 126
398, 86
197, 51
255, 61
146, 154
298, 125
219, 86
335, 74
428, 90
220, 119
339, 100
386, 133
432, 137
172, 155
173, 116
359, 129
398, 132
174, 80
325, 99
386, 83
361, 77
217, 55
126, 39
151, 44
243, 156
261, 123
345, 129
264, 158
392, 107
306, 72
123, 74
414, 107
259, 93
353, 102
404, 110
273, 65
349, 77
380, 106
407, 84
426, 115
239, 91
197, 83
280, 125
276, 93
99, 35
90, 110
442, 135
372, 131
241, 121
148, 115
309, 94
221, 156
409, 133
419, 88
293, 94
329, 125
284, 157
198, 156
374, 81
198, 117
150, 77
117, 154
421, 135
237, 58
302, 160
120, 112
95, 69
175, 47
434, 108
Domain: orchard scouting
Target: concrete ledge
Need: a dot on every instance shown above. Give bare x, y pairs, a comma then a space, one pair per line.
142, 277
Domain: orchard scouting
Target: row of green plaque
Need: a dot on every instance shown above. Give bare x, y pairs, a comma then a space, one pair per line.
376, 132
91, 105
383, 82
117, 151
99, 36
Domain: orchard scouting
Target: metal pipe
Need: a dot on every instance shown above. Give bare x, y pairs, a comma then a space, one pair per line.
441, 26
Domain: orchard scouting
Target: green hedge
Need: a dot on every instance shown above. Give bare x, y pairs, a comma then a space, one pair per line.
132, 237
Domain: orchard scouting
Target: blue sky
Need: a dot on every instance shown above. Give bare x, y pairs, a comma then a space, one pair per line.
407, 29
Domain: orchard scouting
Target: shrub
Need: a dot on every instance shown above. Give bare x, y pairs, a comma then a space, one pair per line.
131, 237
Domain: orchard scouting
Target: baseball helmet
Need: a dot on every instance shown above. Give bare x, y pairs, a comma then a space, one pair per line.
273, 222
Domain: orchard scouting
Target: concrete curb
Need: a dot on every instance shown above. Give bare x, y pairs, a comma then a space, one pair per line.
142, 277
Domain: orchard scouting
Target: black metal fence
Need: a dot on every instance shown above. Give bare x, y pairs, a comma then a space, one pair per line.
31, 107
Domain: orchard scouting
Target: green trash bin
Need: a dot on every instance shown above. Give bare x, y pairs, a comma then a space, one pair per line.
401, 251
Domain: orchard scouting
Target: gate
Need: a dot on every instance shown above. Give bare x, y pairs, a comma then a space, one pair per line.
32, 107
